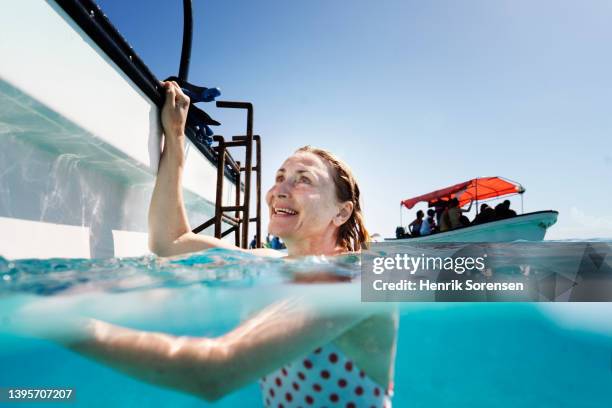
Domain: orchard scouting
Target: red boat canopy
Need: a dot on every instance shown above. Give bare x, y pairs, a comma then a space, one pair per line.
475, 189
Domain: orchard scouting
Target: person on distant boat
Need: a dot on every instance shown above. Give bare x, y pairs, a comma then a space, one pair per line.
509, 212
486, 214
439, 207
415, 226
277, 244
253, 243
503, 211
429, 223
303, 357
444, 222
455, 214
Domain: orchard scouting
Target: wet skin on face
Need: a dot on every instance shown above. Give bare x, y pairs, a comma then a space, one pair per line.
302, 202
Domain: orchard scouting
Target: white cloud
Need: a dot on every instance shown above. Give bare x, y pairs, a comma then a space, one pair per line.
580, 225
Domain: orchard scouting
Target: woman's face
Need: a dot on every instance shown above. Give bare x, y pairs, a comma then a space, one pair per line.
302, 202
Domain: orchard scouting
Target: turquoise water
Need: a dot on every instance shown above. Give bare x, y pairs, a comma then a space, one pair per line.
461, 355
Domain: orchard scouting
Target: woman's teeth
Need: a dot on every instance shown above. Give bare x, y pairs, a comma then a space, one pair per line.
284, 211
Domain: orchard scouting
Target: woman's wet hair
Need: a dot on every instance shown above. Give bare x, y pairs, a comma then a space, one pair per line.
353, 234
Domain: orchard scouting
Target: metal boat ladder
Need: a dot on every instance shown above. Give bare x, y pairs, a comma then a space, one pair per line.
240, 220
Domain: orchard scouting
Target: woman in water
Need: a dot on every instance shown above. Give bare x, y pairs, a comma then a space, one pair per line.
302, 358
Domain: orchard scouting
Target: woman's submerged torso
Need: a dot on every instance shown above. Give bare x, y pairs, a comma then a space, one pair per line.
354, 370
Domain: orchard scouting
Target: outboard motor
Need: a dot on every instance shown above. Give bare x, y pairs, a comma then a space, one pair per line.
400, 232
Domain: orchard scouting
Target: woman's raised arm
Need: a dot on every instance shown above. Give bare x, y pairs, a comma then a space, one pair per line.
469, 207
169, 230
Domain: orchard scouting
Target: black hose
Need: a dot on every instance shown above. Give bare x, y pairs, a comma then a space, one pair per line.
187, 36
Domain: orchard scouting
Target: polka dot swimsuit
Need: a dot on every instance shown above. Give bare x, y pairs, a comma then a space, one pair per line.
325, 378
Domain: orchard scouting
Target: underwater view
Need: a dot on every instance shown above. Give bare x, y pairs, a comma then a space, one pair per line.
448, 354
183, 226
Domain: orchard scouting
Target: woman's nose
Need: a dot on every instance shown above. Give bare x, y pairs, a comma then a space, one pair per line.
282, 189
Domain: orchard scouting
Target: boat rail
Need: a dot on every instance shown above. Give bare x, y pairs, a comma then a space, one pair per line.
91, 19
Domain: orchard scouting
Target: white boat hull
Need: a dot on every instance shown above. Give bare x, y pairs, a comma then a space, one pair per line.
80, 145
526, 227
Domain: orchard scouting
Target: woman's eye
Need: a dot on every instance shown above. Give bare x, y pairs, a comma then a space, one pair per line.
279, 179
304, 180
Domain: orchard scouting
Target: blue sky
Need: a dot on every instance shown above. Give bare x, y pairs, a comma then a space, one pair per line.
414, 95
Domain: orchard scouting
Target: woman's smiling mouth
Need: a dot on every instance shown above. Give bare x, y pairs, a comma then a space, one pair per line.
284, 211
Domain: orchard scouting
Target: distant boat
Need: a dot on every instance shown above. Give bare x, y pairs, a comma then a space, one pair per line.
528, 227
